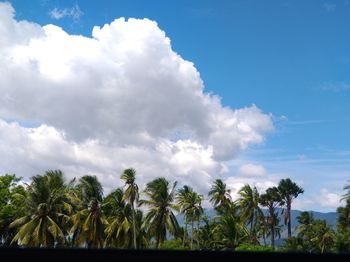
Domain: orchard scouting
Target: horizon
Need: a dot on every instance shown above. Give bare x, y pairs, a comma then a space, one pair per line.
245, 91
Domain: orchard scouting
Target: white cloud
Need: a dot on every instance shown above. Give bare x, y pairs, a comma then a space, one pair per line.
323, 200
328, 199
73, 12
260, 181
252, 170
118, 99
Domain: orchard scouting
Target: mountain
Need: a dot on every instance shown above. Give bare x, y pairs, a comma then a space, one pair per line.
330, 217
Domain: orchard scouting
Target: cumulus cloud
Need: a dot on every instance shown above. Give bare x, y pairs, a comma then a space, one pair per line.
73, 12
251, 170
324, 200
119, 98
253, 175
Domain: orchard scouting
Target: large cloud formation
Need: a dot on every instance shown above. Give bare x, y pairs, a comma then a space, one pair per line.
117, 99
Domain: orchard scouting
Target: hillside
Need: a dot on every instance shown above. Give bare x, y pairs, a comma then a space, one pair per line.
330, 217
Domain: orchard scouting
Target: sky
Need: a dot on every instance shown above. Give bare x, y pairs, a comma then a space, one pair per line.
245, 91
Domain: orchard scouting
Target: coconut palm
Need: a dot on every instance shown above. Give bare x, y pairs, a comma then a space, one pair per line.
219, 195
190, 204
160, 218
182, 201
143, 236
250, 212
344, 216
347, 194
206, 234
229, 232
46, 204
119, 213
323, 237
131, 195
293, 244
271, 199
88, 224
305, 221
288, 191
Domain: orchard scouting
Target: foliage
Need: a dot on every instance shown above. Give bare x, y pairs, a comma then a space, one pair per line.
50, 212
253, 248
175, 244
11, 207
271, 199
288, 190
250, 211
160, 217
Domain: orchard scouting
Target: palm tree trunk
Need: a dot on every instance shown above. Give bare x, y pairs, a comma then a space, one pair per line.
273, 236
192, 233
272, 227
289, 222
134, 225
185, 232
198, 222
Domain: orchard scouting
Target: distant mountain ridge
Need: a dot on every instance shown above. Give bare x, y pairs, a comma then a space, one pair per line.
330, 217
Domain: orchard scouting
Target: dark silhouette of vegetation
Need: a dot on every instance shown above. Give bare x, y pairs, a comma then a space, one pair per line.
50, 212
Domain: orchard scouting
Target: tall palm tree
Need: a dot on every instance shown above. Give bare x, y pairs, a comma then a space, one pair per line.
219, 195
131, 195
288, 191
88, 224
250, 212
182, 201
305, 228
271, 199
46, 204
190, 204
344, 216
118, 232
160, 217
347, 194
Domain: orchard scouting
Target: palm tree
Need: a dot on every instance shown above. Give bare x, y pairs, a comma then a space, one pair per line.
344, 216
160, 217
293, 244
323, 236
89, 188
88, 224
305, 221
347, 188
118, 232
229, 232
206, 234
131, 195
288, 191
46, 204
182, 201
190, 204
305, 229
271, 199
219, 196
250, 211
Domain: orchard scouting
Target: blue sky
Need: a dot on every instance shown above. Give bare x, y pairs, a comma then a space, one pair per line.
289, 58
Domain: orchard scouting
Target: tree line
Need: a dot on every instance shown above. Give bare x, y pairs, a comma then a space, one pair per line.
49, 212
